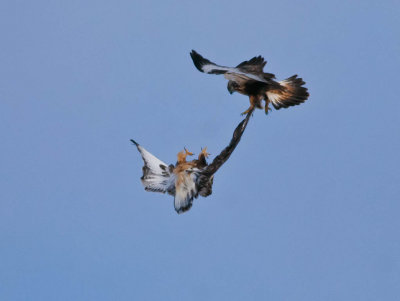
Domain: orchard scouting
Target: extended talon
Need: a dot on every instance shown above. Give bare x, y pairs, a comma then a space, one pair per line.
204, 152
187, 152
247, 111
183, 154
267, 108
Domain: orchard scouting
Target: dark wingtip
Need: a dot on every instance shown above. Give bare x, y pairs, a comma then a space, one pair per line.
198, 60
134, 142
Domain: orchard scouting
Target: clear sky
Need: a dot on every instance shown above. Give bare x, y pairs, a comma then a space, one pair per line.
307, 208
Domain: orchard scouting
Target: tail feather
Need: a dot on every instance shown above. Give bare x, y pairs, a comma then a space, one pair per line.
290, 93
185, 191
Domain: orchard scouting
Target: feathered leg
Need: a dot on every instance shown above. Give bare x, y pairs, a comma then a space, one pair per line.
253, 104
267, 108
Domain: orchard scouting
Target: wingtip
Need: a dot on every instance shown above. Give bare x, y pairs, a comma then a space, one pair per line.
198, 60
134, 142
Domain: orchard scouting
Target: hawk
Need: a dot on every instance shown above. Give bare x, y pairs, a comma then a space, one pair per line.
248, 78
186, 180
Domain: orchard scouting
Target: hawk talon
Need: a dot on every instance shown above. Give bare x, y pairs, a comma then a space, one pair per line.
250, 109
204, 152
187, 152
245, 112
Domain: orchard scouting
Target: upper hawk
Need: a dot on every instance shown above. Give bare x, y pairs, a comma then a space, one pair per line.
248, 78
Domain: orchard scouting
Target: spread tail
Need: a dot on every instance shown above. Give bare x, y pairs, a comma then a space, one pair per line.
290, 93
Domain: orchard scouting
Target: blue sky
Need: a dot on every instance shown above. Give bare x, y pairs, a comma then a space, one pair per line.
307, 208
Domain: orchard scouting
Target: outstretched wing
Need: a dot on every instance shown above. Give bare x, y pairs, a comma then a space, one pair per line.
157, 176
244, 71
255, 66
227, 151
206, 66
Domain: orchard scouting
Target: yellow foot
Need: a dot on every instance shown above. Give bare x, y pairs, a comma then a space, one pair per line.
247, 111
267, 109
204, 152
187, 153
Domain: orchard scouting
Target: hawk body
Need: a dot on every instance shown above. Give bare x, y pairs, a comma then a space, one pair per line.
186, 180
248, 78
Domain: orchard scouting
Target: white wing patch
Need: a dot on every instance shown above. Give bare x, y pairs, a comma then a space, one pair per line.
231, 73
234, 74
157, 175
209, 67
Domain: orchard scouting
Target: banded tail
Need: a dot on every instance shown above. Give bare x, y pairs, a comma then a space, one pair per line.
290, 93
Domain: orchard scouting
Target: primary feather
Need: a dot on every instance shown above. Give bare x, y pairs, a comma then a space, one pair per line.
206, 66
157, 175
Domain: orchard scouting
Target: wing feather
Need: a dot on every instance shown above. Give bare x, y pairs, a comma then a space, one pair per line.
206, 66
157, 175
254, 65
227, 151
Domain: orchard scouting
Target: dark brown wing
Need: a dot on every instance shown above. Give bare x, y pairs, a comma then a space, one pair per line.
255, 66
227, 151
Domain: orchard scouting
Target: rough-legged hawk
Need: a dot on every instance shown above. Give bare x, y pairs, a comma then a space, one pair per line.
186, 180
248, 78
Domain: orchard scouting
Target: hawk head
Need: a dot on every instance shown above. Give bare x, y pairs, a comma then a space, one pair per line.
232, 86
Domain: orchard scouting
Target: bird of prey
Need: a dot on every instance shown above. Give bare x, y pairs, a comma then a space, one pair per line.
186, 180
248, 78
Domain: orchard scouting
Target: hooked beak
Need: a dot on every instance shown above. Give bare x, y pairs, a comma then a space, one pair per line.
230, 89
